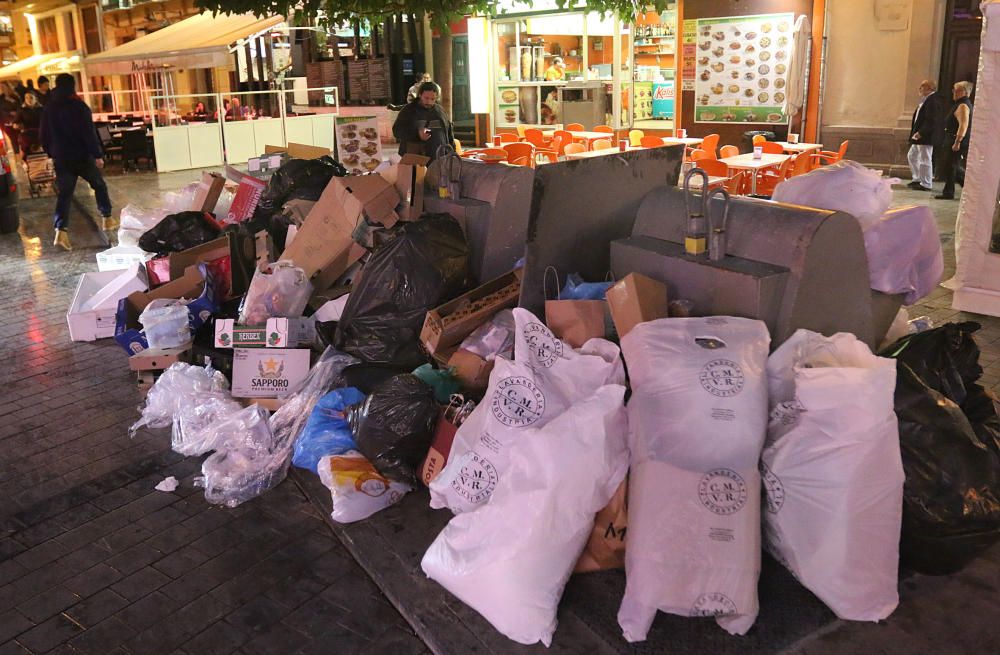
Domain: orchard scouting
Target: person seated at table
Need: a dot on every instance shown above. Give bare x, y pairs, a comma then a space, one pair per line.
226, 109
199, 109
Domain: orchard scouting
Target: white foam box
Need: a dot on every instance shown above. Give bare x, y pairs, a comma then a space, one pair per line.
91, 313
268, 372
121, 257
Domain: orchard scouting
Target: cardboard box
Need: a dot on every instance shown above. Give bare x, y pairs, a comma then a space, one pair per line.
636, 299
196, 283
206, 197
298, 209
91, 313
276, 333
265, 165
298, 151
448, 324
410, 174
437, 455
121, 257
145, 380
471, 370
230, 258
247, 195
325, 241
158, 359
270, 404
263, 249
267, 372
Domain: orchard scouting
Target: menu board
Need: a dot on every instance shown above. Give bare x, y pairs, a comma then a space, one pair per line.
359, 147
742, 68
357, 80
378, 78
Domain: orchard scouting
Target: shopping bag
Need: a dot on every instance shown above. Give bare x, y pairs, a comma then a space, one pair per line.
575, 321
832, 466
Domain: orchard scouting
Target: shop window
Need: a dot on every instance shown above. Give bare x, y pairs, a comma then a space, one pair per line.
48, 35
91, 29
69, 31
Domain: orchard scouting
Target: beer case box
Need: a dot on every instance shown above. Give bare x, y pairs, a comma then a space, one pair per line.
247, 195
276, 333
92, 311
268, 372
266, 164
448, 324
121, 257
206, 196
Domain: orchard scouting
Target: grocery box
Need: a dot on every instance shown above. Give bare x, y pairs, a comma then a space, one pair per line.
91, 313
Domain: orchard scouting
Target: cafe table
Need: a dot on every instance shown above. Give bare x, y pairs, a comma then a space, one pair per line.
587, 154
799, 148
688, 142
590, 137
748, 162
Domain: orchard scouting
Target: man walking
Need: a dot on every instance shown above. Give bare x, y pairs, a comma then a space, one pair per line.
422, 126
921, 153
43, 90
69, 138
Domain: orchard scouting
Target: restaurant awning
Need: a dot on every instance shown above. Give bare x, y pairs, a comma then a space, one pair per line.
200, 41
28, 64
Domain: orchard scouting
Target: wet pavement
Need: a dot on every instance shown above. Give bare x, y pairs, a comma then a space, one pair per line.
94, 560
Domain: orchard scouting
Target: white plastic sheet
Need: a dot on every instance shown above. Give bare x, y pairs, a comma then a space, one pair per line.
697, 421
510, 559
846, 186
546, 377
833, 473
904, 253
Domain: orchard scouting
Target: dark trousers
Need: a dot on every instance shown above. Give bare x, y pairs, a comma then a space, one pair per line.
67, 173
954, 169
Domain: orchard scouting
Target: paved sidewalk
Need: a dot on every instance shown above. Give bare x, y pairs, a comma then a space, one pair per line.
94, 560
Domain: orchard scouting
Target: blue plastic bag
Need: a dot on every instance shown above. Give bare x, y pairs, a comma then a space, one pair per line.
577, 289
327, 431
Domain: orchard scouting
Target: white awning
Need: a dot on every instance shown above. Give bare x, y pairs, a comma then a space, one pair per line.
201, 41
30, 64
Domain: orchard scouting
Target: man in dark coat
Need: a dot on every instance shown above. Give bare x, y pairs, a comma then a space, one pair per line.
422, 126
69, 138
922, 136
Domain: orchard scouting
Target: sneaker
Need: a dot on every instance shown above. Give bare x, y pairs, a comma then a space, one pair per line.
62, 240
916, 186
944, 197
110, 223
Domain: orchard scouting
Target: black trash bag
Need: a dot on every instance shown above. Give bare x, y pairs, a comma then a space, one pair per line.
426, 264
393, 427
367, 377
298, 179
177, 232
949, 433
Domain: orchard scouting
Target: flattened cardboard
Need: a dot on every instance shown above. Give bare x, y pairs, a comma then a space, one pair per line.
471, 370
298, 151
378, 198
208, 192
158, 359
636, 299
410, 174
240, 251
448, 324
268, 372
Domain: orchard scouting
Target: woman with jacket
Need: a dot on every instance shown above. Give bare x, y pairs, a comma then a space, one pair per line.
956, 141
28, 120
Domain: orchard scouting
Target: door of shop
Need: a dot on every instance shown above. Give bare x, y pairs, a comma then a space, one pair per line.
460, 107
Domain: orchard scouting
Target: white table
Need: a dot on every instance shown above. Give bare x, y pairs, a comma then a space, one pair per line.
695, 183
748, 162
689, 142
799, 148
590, 137
598, 153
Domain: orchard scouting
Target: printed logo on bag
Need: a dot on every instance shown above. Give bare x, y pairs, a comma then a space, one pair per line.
545, 347
476, 479
371, 484
517, 402
722, 491
713, 604
774, 491
722, 377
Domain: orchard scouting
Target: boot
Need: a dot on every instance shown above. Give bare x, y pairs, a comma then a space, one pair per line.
110, 223
62, 240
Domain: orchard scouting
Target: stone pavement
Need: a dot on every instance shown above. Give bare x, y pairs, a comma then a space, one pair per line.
93, 560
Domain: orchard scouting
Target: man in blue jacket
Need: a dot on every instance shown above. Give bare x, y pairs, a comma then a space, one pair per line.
70, 139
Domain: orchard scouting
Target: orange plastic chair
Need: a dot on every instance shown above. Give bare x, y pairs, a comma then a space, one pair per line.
767, 180
710, 145
574, 127
552, 151
535, 137
493, 155
713, 167
635, 137
606, 129
772, 148
651, 142
738, 184
602, 144
728, 151
698, 154
828, 157
520, 154
566, 139
800, 165
507, 137
759, 140
574, 148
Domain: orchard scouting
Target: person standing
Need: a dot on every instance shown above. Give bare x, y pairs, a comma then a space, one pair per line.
557, 71
43, 90
956, 132
10, 103
921, 153
422, 126
28, 121
414, 91
70, 139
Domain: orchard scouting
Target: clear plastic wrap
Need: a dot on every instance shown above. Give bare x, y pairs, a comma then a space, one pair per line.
179, 387
193, 422
494, 338
136, 221
165, 322
277, 290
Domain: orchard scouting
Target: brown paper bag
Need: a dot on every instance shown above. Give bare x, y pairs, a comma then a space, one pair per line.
606, 547
575, 321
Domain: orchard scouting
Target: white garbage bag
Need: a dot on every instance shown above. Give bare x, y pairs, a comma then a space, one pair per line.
546, 377
846, 186
510, 559
697, 422
904, 253
356, 488
833, 474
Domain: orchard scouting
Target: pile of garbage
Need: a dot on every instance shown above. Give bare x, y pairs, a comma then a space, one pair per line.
326, 322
